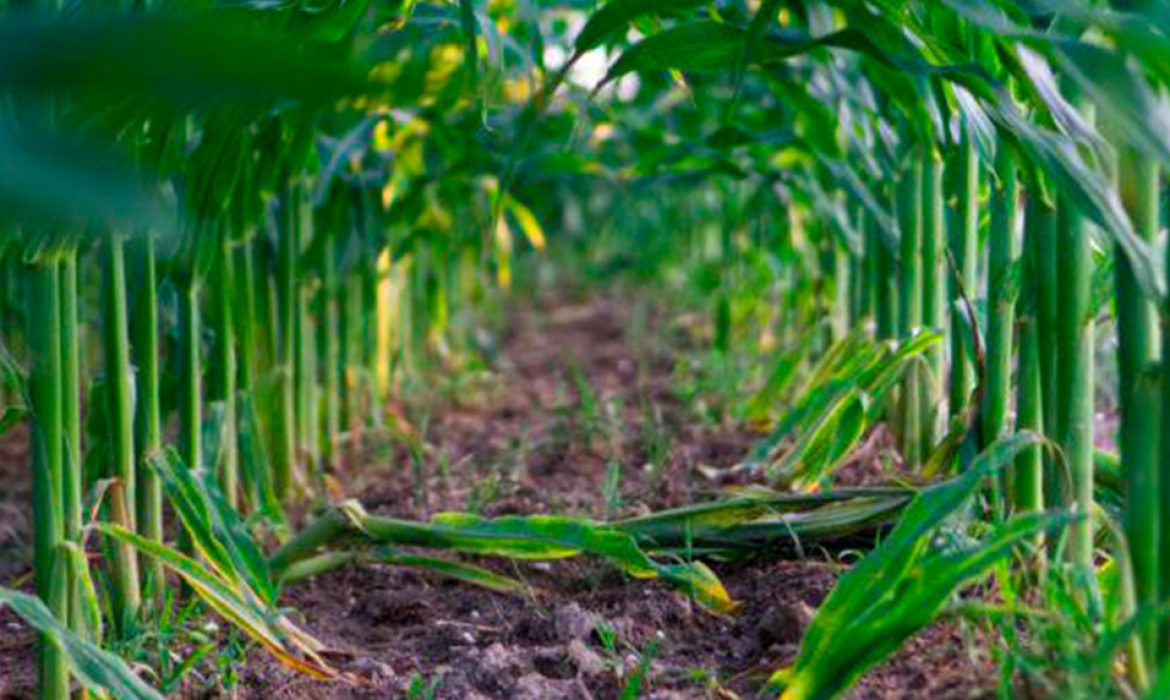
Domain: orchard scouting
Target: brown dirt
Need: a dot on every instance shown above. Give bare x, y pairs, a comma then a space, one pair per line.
521, 443
527, 438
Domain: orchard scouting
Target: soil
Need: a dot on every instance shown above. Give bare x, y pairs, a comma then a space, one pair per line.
527, 439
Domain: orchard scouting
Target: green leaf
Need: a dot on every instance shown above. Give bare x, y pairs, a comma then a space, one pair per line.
470, 31
754, 521
701, 46
822, 445
616, 15
460, 571
97, 669
187, 58
534, 537
237, 604
216, 530
903, 583
1161, 686
714, 46
1084, 187
59, 186
1123, 95
84, 592
847, 176
11, 416
254, 465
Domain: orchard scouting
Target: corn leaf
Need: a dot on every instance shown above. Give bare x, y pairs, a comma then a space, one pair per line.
47, 180
216, 529
533, 537
97, 669
902, 585
460, 571
183, 57
713, 46
833, 417
752, 523
615, 16
234, 602
84, 592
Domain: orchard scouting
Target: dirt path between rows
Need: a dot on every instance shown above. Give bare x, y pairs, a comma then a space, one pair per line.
531, 447
578, 392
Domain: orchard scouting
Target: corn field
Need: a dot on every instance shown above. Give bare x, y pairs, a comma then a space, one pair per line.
606, 349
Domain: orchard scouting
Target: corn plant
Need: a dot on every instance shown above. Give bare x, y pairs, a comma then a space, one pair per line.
903, 583
885, 212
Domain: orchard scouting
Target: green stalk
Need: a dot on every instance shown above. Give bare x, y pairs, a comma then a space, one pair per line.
43, 314
910, 303
419, 305
1047, 285
860, 273
1164, 480
1074, 422
403, 271
842, 279
124, 580
148, 417
350, 336
966, 254
72, 477
329, 330
190, 372
825, 289
934, 302
1075, 369
369, 282
244, 293
306, 386
225, 376
1028, 475
885, 293
284, 423
1002, 251
305, 379
72, 469
267, 314
1137, 336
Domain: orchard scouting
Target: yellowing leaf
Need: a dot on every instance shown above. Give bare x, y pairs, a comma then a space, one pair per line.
528, 224
389, 193
382, 140
503, 253
445, 60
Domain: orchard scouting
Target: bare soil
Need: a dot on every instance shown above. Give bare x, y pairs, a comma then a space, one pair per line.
529, 440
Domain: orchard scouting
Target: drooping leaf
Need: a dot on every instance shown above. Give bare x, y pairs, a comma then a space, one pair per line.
532, 537
457, 570
903, 583
182, 57
1084, 187
615, 16
754, 522
714, 46
216, 530
58, 186
1122, 94
98, 669
238, 605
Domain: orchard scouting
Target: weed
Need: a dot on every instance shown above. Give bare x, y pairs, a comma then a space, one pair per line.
422, 689
611, 488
